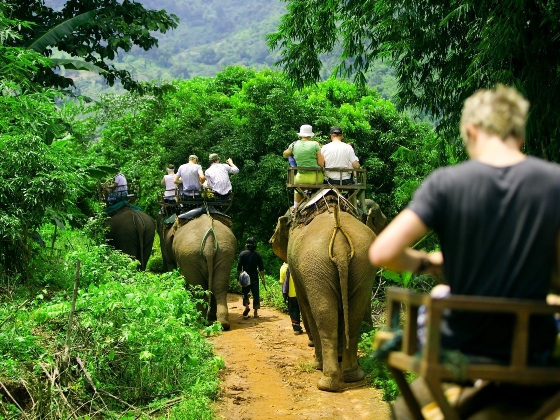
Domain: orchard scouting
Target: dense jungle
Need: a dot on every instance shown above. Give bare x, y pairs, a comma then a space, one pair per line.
92, 86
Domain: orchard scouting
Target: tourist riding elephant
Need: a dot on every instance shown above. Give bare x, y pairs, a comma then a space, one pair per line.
333, 278
203, 248
132, 232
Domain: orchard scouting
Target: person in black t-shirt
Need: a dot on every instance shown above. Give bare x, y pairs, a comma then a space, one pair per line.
251, 262
497, 219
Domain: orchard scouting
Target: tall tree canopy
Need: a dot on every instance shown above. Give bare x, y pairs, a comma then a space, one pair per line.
442, 52
117, 25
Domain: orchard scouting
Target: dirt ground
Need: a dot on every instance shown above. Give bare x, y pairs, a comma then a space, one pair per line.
269, 374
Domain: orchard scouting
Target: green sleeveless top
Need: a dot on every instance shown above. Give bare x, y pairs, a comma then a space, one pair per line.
305, 153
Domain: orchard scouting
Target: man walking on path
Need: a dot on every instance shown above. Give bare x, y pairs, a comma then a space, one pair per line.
498, 221
251, 262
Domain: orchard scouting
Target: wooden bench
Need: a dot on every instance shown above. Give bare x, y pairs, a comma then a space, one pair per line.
428, 363
356, 191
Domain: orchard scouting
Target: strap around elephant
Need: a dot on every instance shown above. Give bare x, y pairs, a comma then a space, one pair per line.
208, 232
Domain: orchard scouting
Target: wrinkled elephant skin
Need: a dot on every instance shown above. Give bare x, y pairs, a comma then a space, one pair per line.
201, 261
326, 288
132, 232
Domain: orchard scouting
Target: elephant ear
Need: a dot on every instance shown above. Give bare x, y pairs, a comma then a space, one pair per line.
279, 239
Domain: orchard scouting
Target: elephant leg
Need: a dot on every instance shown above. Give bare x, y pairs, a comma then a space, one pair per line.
351, 372
220, 284
326, 319
310, 326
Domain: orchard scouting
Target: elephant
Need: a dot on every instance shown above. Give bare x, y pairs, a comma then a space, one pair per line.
132, 232
203, 248
375, 219
328, 259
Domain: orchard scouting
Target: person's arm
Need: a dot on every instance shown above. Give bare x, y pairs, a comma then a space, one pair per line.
555, 281
262, 277
391, 249
320, 159
356, 164
232, 169
201, 176
163, 182
287, 153
178, 180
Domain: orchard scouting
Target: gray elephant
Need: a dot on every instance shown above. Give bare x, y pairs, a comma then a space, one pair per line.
203, 247
132, 232
333, 278
375, 220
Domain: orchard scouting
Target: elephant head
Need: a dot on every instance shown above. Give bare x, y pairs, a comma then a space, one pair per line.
376, 220
279, 239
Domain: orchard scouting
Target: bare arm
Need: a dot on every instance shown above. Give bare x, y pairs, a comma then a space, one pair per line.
178, 180
391, 249
320, 159
356, 164
163, 182
201, 176
287, 153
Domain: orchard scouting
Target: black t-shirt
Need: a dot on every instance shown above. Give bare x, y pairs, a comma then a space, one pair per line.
497, 228
251, 262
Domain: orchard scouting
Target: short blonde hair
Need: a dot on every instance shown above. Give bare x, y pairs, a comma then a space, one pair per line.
501, 111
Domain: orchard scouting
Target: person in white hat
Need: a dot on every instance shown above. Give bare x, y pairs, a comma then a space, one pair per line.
307, 154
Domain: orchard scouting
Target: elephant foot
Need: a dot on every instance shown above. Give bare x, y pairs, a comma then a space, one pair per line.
317, 365
328, 384
225, 326
353, 375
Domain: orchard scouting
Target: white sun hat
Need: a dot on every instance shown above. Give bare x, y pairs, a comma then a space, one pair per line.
306, 131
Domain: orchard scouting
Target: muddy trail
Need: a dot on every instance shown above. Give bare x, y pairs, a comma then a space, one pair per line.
269, 374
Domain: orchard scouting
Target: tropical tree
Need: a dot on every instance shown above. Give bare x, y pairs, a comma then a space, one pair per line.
442, 52
38, 181
117, 26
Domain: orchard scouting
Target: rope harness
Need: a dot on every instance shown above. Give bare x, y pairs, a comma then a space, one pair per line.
208, 232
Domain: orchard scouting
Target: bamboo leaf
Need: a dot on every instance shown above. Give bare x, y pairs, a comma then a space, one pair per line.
52, 37
72, 64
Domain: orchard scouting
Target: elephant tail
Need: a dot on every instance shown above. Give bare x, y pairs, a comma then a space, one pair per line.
342, 262
208, 250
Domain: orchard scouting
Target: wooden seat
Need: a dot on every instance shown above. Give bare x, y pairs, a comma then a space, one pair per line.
428, 363
356, 191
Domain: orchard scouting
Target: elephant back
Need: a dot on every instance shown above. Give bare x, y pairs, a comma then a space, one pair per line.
319, 203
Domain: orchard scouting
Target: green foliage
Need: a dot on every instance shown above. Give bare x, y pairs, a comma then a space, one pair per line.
514, 43
140, 337
376, 370
252, 117
272, 295
118, 26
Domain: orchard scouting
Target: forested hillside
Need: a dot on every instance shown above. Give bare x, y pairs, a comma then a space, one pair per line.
211, 35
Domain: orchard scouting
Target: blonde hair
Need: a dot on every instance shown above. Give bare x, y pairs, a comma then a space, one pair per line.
501, 111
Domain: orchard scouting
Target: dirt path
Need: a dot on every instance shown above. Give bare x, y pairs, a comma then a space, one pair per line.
269, 374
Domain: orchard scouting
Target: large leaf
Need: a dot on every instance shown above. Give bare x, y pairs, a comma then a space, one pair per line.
52, 37
72, 64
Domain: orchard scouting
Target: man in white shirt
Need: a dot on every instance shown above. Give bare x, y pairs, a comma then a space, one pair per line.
191, 176
339, 155
217, 175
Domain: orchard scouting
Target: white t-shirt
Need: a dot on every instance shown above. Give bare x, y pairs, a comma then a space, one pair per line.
121, 183
170, 185
338, 155
189, 175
